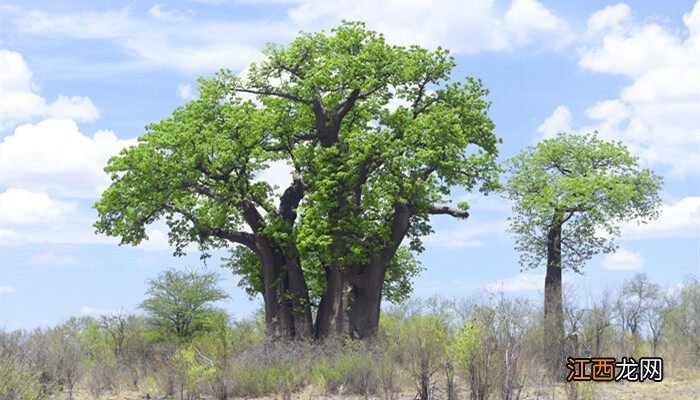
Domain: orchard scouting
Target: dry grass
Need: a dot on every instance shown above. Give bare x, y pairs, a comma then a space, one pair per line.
683, 384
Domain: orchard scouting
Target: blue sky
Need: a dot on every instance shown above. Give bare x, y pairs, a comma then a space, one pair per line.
78, 84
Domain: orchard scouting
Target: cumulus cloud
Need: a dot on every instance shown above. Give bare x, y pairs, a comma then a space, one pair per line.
156, 41
76, 108
159, 11
609, 18
184, 91
657, 114
623, 259
196, 46
559, 121
23, 207
678, 220
20, 100
467, 27
54, 156
157, 241
529, 19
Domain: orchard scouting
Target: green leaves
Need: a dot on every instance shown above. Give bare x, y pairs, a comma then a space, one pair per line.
376, 136
179, 302
585, 184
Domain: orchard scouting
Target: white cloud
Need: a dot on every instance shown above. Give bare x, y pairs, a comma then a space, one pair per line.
523, 282
558, 122
95, 312
481, 202
529, 19
157, 241
677, 220
623, 259
159, 11
196, 46
51, 259
9, 238
637, 50
20, 100
184, 91
278, 173
75, 107
609, 18
466, 27
657, 114
55, 157
188, 46
23, 207
460, 238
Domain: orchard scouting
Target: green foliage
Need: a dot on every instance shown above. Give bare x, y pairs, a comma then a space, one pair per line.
401, 270
352, 370
580, 182
179, 303
17, 382
682, 321
258, 380
475, 349
325, 107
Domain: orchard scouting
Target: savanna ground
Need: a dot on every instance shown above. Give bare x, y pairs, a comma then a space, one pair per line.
678, 384
485, 347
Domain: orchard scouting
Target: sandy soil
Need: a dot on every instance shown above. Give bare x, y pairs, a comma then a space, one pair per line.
681, 385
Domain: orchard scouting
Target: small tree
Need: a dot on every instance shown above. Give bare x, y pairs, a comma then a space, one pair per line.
682, 322
180, 302
569, 195
597, 321
475, 348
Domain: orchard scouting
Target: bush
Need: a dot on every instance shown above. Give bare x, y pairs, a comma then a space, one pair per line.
259, 380
348, 372
17, 382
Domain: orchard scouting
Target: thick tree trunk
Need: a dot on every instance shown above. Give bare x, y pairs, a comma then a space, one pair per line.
331, 318
300, 302
286, 296
278, 316
366, 299
351, 302
553, 307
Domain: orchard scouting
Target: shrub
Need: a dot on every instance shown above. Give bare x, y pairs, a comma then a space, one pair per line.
17, 382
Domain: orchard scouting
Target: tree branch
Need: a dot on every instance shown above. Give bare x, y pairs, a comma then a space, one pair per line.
447, 210
291, 197
273, 93
244, 238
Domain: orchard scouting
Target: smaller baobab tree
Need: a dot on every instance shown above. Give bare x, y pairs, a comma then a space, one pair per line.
570, 193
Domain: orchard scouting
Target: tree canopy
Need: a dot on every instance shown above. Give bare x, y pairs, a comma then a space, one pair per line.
570, 193
376, 139
180, 303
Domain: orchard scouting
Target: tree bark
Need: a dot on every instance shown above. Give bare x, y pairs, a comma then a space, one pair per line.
364, 284
365, 299
553, 306
331, 318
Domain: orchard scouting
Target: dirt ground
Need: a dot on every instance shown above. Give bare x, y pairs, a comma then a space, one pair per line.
681, 385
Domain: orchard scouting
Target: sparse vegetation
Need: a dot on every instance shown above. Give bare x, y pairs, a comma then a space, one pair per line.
478, 348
